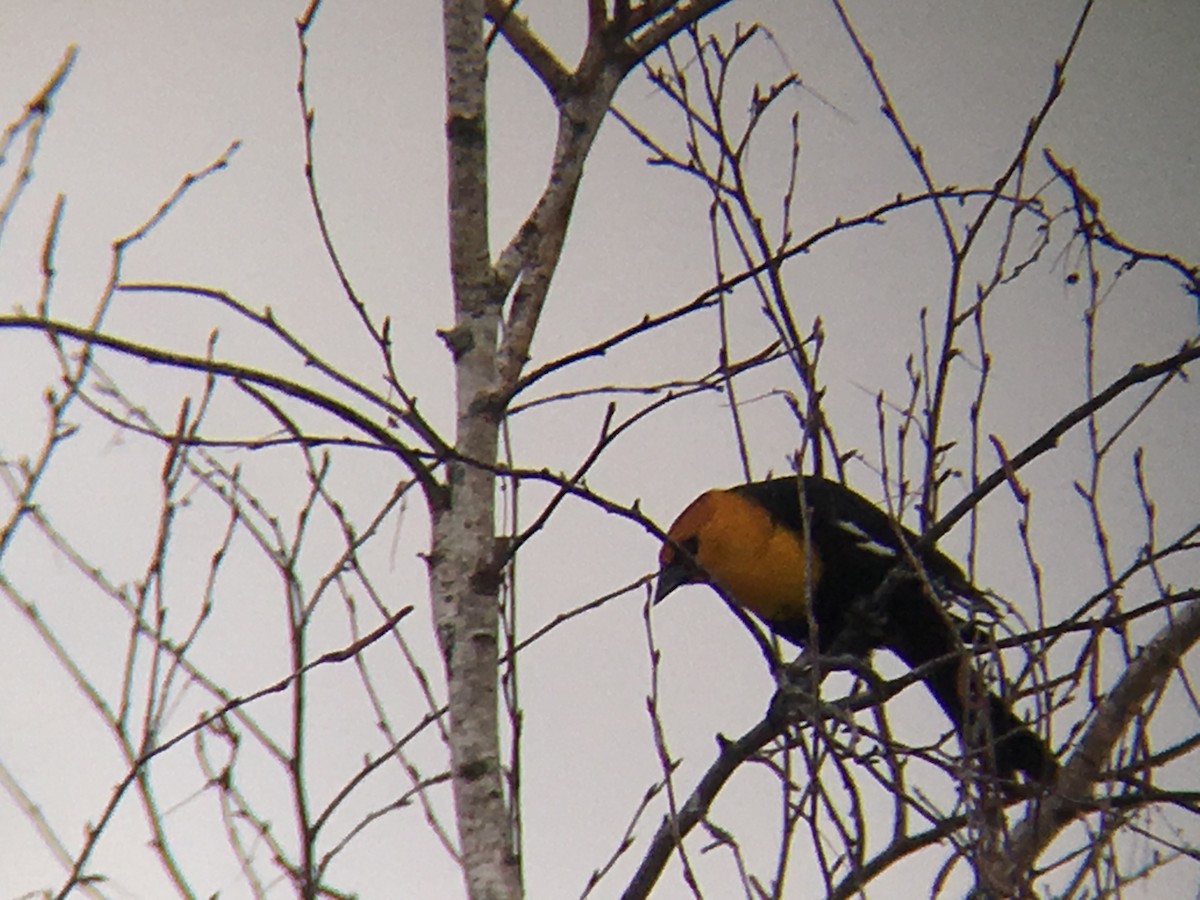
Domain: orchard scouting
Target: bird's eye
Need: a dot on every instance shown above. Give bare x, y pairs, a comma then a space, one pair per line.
691, 545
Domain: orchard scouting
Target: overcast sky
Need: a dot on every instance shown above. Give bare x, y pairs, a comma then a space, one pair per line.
163, 89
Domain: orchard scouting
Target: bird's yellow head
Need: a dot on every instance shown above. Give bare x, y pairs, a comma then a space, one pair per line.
725, 538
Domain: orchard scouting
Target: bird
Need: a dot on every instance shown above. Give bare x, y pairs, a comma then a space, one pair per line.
805, 551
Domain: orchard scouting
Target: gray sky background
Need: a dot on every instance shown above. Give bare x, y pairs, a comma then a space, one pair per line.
162, 89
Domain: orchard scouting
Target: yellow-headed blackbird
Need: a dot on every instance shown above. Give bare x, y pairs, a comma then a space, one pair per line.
769, 558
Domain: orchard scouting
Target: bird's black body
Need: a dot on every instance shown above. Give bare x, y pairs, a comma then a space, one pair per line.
849, 548
852, 573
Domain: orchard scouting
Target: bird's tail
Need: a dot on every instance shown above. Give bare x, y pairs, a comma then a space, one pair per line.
921, 633
1005, 743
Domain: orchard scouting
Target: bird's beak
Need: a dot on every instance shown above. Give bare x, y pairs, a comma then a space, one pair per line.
669, 578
